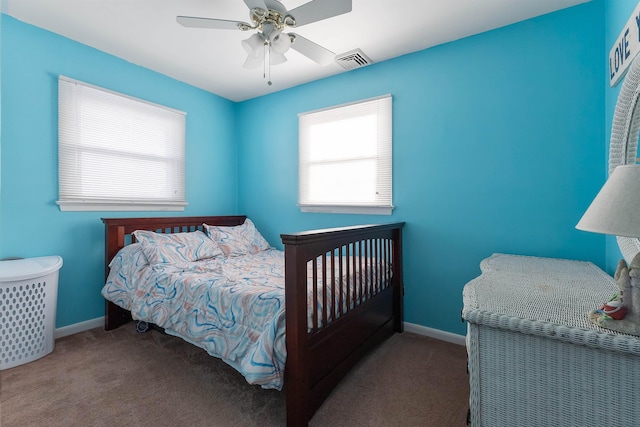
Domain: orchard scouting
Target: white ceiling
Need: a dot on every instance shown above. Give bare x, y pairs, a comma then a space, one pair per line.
145, 32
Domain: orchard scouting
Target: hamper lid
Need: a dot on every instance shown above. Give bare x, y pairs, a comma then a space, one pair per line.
28, 268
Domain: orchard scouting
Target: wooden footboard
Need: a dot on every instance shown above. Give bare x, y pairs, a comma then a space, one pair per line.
356, 290
343, 296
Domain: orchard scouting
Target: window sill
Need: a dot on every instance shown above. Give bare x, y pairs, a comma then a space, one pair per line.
111, 206
361, 210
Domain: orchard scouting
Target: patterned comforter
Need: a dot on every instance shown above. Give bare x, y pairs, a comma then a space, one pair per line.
232, 307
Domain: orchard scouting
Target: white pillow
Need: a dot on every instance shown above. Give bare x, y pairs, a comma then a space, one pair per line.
176, 247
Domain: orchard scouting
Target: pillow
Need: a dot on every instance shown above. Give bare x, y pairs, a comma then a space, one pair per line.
239, 240
177, 247
129, 258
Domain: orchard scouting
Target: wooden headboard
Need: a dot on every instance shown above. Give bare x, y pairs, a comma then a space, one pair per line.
116, 229
115, 238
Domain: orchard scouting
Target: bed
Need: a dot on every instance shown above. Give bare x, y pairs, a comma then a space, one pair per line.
343, 290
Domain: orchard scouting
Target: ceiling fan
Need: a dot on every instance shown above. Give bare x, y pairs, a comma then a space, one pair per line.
269, 44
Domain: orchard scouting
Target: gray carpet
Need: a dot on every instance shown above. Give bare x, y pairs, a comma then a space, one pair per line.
121, 378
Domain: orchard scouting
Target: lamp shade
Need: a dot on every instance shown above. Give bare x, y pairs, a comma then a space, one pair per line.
616, 208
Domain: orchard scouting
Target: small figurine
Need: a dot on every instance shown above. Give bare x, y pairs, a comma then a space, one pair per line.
614, 309
620, 313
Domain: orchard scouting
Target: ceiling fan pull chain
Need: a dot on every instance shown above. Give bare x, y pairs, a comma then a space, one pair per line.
264, 63
268, 61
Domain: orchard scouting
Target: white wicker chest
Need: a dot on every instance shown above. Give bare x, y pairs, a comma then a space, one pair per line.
534, 357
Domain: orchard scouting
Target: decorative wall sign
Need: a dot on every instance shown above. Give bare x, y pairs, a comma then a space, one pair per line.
625, 48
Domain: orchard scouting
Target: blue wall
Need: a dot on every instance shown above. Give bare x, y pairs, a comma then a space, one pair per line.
498, 147
31, 223
0, 130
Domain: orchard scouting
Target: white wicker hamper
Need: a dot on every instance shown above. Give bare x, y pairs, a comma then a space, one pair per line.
28, 298
534, 357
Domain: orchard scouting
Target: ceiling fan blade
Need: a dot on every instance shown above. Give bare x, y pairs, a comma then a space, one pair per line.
255, 4
276, 5
317, 10
218, 24
312, 50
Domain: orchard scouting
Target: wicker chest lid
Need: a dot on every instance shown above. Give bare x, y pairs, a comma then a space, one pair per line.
544, 296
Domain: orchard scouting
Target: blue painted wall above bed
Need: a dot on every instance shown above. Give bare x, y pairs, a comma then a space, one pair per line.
31, 223
498, 147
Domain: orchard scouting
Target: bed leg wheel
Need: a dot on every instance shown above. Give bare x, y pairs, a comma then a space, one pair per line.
141, 326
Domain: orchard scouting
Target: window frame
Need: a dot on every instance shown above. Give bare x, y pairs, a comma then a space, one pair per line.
384, 157
71, 195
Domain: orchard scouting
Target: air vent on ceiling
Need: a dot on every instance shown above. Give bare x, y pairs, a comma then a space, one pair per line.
353, 59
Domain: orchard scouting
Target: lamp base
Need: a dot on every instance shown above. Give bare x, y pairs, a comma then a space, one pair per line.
629, 325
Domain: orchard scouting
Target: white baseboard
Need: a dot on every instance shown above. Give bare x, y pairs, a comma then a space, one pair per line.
435, 333
78, 327
409, 327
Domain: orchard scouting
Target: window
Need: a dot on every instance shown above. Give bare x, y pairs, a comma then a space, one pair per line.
345, 158
118, 153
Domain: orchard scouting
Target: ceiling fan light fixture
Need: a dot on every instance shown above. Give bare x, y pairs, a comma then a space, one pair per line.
276, 58
269, 29
270, 17
254, 44
254, 60
281, 42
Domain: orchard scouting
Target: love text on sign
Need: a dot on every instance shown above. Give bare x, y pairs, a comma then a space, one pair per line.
625, 48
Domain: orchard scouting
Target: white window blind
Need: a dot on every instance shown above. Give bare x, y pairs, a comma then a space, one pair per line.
345, 161
116, 152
